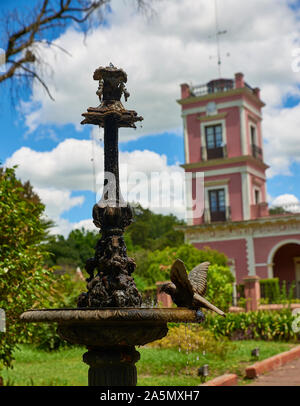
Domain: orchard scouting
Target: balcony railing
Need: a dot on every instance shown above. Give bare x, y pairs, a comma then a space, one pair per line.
214, 86
257, 152
210, 216
213, 153
259, 210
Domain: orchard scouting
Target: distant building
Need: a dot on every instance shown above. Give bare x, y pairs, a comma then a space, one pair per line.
223, 139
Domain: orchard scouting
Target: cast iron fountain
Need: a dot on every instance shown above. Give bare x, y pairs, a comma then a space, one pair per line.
110, 320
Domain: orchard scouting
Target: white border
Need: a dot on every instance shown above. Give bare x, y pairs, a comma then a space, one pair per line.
235, 169
250, 256
235, 103
244, 143
245, 189
241, 237
186, 141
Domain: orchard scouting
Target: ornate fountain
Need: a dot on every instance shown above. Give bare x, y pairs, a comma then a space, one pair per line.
110, 320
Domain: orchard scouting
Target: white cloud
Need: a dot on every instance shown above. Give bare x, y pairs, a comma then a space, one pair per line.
66, 167
285, 199
64, 227
86, 224
281, 133
288, 201
58, 201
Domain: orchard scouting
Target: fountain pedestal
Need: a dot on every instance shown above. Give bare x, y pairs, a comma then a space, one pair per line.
112, 366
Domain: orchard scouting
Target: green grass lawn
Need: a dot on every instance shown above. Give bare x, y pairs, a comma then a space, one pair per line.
157, 367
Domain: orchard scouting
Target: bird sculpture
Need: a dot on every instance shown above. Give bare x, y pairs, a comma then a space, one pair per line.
188, 290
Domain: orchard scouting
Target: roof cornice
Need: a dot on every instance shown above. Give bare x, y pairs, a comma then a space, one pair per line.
222, 161
219, 95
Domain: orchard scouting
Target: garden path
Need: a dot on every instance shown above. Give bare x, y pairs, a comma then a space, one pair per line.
286, 375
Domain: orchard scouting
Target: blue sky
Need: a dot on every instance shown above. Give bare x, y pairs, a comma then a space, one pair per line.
163, 52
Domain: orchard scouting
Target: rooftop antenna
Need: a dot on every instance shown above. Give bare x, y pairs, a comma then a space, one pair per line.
217, 35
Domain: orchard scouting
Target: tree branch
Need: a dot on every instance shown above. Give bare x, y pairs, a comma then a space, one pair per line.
20, 44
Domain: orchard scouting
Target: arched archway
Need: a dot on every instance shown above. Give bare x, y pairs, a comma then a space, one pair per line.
285, 260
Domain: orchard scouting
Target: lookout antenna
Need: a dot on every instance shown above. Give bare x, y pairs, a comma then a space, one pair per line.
217, 35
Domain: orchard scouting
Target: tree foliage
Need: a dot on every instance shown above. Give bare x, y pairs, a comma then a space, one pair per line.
154, 231
149, 231
62, 293
278, 210
23, 279
73, 250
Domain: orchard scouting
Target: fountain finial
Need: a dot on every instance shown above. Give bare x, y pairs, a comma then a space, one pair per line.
110, 90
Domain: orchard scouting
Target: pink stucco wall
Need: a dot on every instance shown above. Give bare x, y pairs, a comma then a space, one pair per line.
262, 272
233, 134
232, 249
194, 139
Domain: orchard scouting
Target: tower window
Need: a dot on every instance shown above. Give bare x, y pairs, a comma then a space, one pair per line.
257, 196
253, 134
214, 141
256, 150
217, 205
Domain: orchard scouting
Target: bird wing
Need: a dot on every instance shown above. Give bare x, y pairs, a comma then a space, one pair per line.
205, 303
198, 278
180, 278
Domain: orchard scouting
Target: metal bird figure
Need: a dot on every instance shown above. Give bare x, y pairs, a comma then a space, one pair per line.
188, 290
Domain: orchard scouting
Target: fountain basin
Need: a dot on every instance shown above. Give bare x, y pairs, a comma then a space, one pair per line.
111, 326
110, 335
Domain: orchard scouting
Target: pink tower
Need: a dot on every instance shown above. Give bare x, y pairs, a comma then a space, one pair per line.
223, 139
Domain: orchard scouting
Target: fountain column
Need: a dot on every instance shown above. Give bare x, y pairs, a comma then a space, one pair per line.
112, 366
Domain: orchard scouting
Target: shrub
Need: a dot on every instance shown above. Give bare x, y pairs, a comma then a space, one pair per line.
22, 275
272, 292
263, 325
63, 293
219, 286
192, 338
